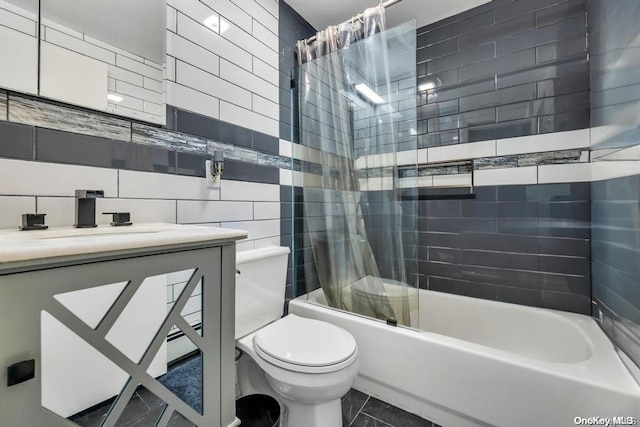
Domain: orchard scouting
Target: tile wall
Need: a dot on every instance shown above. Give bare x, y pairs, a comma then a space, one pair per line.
222, 95
503, 69
614, 42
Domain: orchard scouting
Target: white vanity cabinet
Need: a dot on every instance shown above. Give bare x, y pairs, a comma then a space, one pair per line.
90, 321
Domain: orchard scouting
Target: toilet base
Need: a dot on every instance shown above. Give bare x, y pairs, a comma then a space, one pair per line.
327, 414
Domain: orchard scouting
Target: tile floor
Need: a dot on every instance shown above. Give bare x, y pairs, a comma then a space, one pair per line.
358, 410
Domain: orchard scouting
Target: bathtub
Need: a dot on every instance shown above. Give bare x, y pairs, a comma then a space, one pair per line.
476, 362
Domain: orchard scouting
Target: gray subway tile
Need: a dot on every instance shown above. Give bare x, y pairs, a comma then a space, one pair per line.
499, 130
458, 59
16, 141
566, 302
522, 226
500, 260
560, 31
546, 71
530, 297
564, 85
452, 256
561, 49
565, 265
65, 147
564, 122
191, 164
494, 66
562, 246
517, 8
497, 31
560, 12
447, 240
437, 50
499, 242
439, 109
498, 97
580, 285
460, 287
455, 29
475, 209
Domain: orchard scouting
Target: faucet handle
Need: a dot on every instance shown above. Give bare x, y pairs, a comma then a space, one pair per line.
89, 194
119, 218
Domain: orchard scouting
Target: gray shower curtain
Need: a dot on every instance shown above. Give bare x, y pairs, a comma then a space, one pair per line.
347, 105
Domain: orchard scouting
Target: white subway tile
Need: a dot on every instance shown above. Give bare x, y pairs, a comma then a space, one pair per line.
60, 211
172, 19
458, 180
192, 100
601, 171
252, 45
546, 142
261, 33
259, 14
140, 115
469, 150
244, 245
409, 157
286, 177
193, 54
112, 48
80, 46
245, 79
155, 109
21, 72
194, 9
286, 148
271, 6
573, 172
50, 179
195, 78
267, 243
138, 67
12, 208
266, 71
141, 210
242, 117
154, 85
266, 210
171, 68
231, 12
139, 92
29, 14
128, 101
190, 211
125, 75
252, 191
147, 185
423, 156
213, 42
69, 76
256, 229
265, 107
111, 85
17, 22
507, 176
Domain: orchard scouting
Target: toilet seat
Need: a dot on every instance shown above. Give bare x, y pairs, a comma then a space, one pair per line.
305, 345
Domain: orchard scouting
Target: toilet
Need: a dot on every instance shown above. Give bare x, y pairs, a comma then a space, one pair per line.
305, 364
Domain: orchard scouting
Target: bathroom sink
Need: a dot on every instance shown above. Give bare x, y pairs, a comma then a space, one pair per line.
67, 241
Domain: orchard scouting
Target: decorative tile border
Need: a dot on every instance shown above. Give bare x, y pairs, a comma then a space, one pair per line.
532, 159
3, 106
34, 112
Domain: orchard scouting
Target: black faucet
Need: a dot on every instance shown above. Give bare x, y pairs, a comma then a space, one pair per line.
86, 207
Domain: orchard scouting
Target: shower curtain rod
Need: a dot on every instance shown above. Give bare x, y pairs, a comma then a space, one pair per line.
358, 16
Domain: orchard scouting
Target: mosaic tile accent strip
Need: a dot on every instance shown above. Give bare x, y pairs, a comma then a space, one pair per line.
532, 159
151, 135
54, 116
3, 106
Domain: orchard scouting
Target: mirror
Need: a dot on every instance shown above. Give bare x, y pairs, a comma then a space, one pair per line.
19, 45
104, 55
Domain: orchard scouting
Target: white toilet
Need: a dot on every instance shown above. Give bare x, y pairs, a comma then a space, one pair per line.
306, 364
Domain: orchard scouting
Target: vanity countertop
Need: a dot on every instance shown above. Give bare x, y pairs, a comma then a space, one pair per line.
16, 246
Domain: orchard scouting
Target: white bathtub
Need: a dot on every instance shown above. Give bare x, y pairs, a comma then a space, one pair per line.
477, 362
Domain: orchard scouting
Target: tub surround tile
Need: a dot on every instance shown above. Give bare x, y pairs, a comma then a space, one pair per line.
59, 117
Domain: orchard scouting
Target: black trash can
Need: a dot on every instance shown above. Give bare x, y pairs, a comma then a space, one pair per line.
258, 410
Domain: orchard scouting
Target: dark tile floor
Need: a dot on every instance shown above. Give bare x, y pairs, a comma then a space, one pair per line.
360, 410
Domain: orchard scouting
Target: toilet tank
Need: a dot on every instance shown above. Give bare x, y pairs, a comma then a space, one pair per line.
261, 277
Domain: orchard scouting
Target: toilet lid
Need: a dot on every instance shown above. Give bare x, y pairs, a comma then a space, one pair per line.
305, 342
